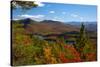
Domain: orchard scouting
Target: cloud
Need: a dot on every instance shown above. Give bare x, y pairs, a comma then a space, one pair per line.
57, 19
74, 15
52, 12
31, 16
63, 12
40, 4
77, 16
15, 19
34, 17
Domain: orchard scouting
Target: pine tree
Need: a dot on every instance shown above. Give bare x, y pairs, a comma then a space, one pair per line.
81, 41
83, 45
23, 4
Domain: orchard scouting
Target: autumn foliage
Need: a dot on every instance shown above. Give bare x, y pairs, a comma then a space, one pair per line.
32, 50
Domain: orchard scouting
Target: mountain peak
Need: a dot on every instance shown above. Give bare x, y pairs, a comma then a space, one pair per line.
50, 21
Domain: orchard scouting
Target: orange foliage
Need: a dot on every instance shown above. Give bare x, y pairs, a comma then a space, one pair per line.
48, 54
75, 55
90, 56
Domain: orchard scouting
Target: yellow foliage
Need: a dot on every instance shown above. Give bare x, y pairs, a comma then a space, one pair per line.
47, 53
53, 60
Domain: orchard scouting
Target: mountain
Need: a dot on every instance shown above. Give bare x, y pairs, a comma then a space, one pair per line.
50, 26
24, 21
90, 26
51, 22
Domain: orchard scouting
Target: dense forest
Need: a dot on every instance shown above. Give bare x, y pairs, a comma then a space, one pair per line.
36, 43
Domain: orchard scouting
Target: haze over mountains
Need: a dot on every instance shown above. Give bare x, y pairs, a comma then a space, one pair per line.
90, 26
51, 26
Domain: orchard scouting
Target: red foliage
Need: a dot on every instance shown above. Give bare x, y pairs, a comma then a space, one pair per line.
27, 41
73, 53
62, 58
90, 56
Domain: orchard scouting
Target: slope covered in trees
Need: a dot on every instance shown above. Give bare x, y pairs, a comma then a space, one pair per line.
28, 48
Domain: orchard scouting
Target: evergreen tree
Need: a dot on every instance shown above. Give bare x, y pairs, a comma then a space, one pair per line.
23, 4
83, 44
81, 41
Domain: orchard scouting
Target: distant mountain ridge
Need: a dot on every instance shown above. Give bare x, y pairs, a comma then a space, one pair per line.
50, 26
51, 21
90, 26
47, 26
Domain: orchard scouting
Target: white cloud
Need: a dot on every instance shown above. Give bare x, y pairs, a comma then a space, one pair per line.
40, 4
31, 16
15, 19
57, 19
25, 16
34, 17
63, 12
52, 12
77, 16
54, 19
74, 15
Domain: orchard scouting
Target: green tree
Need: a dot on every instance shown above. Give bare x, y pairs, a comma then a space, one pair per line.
81, 40
23, 4
84, 46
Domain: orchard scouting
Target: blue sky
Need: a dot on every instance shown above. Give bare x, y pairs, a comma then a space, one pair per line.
58, 12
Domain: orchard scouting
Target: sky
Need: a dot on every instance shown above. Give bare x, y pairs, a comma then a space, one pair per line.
58, 12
